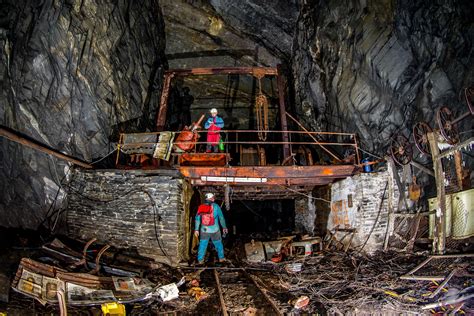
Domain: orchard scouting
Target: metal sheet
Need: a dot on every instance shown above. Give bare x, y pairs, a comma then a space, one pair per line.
459, 214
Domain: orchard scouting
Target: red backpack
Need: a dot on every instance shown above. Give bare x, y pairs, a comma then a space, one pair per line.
207, 214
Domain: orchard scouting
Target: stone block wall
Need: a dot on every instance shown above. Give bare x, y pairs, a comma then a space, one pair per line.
146, 210
356, 203
305, 214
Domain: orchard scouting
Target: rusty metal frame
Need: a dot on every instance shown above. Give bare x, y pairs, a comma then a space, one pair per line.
16, 137
253, 71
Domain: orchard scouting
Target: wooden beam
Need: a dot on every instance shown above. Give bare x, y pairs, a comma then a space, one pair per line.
161, 118
451, 150
14, 136
439, 233
458, 166
422, 168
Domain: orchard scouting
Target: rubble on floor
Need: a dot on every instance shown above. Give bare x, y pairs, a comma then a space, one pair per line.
324, 282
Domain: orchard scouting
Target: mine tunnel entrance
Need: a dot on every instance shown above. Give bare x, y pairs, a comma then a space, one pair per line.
268, 217
248, 219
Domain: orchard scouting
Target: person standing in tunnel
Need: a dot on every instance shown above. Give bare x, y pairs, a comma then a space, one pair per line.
213, 125
208, 221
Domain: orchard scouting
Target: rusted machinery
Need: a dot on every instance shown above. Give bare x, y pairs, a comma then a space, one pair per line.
269, 162
401, 149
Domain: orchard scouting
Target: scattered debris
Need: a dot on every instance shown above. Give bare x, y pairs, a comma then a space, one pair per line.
294, 267
198, 293
300, 302
168, 292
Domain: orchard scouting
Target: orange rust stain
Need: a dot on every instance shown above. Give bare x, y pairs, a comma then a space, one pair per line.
327, 172
340, 215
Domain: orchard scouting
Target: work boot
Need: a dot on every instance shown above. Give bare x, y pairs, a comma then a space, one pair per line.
199, 263
224, 260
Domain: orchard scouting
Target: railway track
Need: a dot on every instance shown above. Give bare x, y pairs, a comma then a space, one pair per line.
239, 291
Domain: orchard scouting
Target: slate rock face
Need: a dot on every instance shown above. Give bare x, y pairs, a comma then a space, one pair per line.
71, 73
378, 67
198, 36
270, 23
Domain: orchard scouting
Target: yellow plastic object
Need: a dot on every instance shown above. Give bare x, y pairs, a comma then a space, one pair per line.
113, 309
3, 314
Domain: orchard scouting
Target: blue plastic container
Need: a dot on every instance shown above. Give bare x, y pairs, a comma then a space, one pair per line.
367, 167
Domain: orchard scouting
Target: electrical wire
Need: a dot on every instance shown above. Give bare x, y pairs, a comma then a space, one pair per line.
306, 195
155, 215
98, 160
376, 219
48, 216
370, 154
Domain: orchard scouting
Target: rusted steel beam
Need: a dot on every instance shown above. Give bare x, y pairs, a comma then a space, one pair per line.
331, 171
97, 259
224, 71
284, 124
161, 119
14, 136
256, 131
268, 182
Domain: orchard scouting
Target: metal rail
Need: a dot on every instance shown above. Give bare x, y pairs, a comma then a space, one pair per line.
16, 137
123, 144
255, 280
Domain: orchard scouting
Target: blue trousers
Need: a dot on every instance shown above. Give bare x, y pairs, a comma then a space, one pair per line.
204, 241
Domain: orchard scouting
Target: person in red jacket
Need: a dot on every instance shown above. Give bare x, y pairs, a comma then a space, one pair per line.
213, 125
207, 223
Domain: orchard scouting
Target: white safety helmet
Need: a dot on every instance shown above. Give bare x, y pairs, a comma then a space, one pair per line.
209, 196
213, 110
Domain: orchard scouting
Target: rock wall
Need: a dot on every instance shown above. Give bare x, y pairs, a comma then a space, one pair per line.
362, 203
305, 214
72, 74
270, 23
131, 209
378, 67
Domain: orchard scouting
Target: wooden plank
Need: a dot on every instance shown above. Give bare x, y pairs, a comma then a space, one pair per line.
443, 284
422, 278
458, 166
439, 233
457, 147
161, 118
14, 136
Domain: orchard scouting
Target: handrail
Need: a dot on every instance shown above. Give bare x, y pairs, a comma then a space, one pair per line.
122, 145
253, 131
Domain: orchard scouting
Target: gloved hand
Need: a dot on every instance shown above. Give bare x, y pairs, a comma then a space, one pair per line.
225, 231
196, 233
